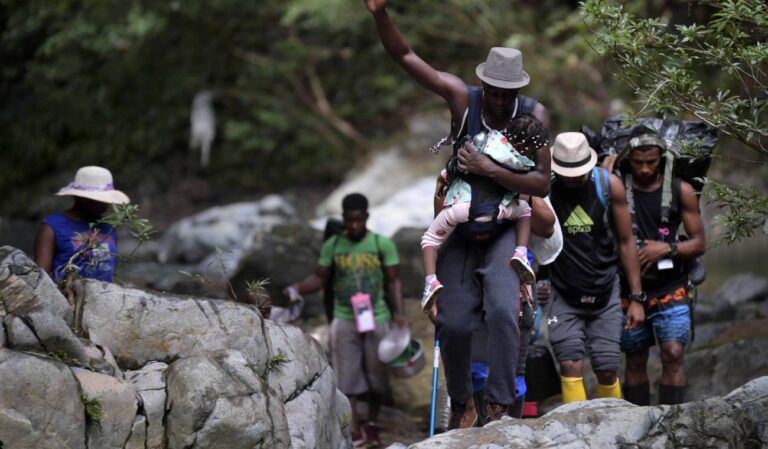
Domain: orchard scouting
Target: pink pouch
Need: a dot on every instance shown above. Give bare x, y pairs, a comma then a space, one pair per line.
363, 310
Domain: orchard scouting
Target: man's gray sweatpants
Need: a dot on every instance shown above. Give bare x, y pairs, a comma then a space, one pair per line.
477, 276
573, 330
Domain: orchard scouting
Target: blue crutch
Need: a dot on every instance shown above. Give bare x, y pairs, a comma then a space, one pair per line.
435, 367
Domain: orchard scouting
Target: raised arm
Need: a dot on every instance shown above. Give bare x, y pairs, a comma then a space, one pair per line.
448, 86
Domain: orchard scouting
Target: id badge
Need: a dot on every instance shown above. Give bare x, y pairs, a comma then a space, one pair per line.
665, 264
363, 310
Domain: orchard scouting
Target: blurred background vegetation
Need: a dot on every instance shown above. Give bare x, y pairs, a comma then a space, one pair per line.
303, 89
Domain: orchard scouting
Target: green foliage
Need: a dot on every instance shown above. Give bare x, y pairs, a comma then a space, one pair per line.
276, 361
716, 71
714, 68
747, 209
302, 87
93, 410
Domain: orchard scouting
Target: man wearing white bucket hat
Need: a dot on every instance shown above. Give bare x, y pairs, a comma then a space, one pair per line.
63, 234
585, 309
484, 284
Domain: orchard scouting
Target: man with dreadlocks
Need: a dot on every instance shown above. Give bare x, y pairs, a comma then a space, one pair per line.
512, 149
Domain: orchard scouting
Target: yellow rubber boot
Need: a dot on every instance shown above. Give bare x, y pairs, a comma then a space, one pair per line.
609, 391
573, 389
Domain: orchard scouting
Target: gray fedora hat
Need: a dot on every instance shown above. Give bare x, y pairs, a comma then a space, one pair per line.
503, 69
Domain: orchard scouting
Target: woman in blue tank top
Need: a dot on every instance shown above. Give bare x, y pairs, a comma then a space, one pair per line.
63, 234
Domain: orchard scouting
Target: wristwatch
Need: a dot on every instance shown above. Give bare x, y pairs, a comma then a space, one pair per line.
638, 297
673, 250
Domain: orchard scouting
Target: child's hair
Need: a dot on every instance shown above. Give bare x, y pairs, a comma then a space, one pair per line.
527, 134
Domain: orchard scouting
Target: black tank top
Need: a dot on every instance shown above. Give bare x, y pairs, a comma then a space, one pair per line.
585, 270
648, 217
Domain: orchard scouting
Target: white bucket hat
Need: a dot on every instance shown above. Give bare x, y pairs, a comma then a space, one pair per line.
503, 69
572, 156
94, 183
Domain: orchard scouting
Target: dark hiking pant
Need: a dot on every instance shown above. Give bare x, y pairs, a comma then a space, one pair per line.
477, 277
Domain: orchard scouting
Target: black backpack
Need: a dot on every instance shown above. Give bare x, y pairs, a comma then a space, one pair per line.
333, 228
613, 139
615, 132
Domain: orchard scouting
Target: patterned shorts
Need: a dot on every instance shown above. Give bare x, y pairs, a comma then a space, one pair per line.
668, 318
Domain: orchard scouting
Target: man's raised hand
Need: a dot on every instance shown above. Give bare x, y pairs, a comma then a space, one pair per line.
375, 5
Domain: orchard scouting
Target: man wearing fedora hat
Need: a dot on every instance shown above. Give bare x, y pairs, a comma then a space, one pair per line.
478, 277
585, 310
63, 234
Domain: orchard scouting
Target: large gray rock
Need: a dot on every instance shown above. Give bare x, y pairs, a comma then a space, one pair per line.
149, 383
743, 288
737, 420
139, 327
219, 401
20, 336
118, 404
286, 254
725, 364
138, 436
40, 404
316, 418
297, 360
29, 293
225, 228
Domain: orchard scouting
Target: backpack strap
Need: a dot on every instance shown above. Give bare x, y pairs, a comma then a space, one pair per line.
666, 187
630, 192
602, 181
602, 185
475, 111
526, 104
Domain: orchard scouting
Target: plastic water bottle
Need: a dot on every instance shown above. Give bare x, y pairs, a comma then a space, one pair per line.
479, 140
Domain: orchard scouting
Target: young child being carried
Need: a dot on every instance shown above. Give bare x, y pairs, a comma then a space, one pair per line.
510, 149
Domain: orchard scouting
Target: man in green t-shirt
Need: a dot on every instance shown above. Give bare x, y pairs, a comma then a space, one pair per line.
361, 264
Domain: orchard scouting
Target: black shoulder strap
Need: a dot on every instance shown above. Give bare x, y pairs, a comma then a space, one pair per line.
526, 104
474, 115
666, 187
333, 249
630, 192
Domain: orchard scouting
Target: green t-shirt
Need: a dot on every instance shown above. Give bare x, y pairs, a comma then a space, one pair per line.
358, 268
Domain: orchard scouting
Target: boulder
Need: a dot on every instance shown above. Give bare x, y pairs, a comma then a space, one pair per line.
736, 420
730, 360
40, 403
20, 336
138, 436
219, 401
149, 383
317, 417
297, 360
28, 293
117, 400
285, 255
223, 229
743, 288
139, 326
